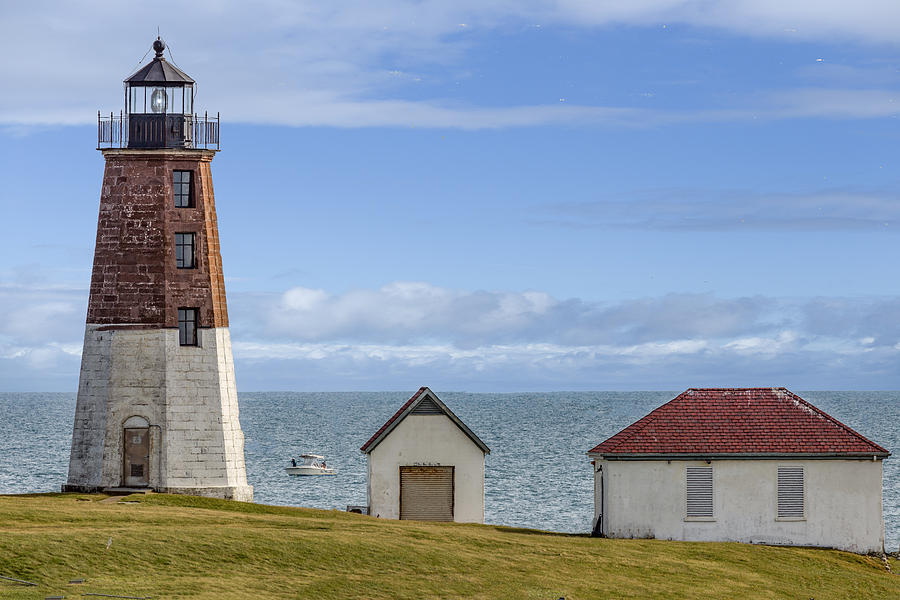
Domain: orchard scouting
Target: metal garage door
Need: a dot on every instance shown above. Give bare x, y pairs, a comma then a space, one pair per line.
426, 493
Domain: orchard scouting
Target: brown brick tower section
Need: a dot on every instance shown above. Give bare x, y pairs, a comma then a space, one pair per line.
135, 281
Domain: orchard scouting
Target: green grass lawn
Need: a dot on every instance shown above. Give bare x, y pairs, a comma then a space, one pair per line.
166, 546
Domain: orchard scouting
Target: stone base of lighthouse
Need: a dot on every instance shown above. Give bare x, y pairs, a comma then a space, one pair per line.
156, 414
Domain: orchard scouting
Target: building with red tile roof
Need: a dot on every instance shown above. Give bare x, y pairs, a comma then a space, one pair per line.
741, 464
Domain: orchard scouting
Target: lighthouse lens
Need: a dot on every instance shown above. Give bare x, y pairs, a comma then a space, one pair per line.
158, 100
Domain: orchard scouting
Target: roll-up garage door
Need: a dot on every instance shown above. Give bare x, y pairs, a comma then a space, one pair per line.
426, 493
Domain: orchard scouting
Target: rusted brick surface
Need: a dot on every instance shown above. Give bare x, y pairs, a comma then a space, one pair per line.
135, 281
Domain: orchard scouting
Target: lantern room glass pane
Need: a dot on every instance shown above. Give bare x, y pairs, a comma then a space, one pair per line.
175, 100
159, 100
136, 100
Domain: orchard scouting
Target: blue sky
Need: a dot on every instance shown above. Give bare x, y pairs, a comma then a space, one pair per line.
489, 196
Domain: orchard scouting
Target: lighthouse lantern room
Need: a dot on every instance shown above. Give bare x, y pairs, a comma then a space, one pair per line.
159, 100
159, 111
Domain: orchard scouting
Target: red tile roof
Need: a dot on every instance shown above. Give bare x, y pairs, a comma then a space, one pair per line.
394, 418
738, 421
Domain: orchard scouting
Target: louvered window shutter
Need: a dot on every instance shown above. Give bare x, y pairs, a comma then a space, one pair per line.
699, 492
427, 407
790, 493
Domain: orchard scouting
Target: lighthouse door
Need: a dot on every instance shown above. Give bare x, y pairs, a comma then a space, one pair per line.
137, 457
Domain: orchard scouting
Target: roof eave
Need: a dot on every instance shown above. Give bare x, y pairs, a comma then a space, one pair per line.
159, 83
735, 455
393, 421
367, 449
180, 77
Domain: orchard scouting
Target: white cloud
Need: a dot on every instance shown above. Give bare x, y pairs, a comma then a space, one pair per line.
736, 210
658, 349
304, 299
300, 110
403, 333
38, 356
402, 310
403, 314
35, 322
834, 103
870, 20
783, 341
781, 359
494, 354
337, 64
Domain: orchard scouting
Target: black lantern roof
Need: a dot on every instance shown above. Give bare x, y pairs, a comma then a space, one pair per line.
158, 72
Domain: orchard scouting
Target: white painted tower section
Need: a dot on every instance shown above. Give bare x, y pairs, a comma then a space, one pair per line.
186, 394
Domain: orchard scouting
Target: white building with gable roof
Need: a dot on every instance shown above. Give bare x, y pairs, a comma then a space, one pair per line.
755, 465
424, 464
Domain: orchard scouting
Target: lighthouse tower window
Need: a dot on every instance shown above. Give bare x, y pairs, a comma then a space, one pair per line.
181, 183
187, 326
184, 251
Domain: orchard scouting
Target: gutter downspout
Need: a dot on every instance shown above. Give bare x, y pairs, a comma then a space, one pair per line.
598, 526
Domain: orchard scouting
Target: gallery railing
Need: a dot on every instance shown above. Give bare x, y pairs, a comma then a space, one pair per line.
157, 131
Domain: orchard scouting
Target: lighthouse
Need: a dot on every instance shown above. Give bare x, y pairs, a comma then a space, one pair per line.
157, 404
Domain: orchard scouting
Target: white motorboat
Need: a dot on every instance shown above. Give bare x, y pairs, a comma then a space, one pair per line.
310, 464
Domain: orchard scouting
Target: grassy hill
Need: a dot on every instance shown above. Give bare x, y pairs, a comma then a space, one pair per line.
184, 547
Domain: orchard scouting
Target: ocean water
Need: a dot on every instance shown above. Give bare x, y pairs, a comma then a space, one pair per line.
536, 476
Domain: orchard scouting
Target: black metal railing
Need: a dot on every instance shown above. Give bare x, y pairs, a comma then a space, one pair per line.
206, 131
142, 131
112, 132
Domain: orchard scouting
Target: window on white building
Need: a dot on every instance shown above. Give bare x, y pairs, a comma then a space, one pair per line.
699, 492
790, 493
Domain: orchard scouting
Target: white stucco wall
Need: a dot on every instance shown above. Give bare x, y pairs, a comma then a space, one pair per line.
647, 499
427, 440
186, 393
